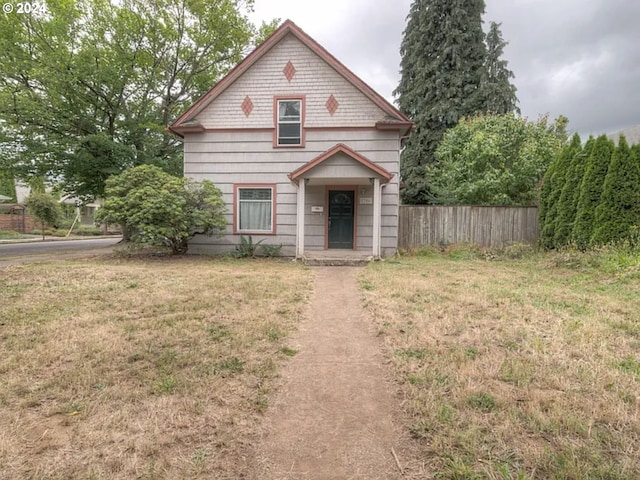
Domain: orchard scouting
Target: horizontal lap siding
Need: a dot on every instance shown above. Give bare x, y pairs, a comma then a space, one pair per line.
209, 156
486, 226
231, 155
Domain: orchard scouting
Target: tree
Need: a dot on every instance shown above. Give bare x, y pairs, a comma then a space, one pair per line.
494, 160
7, 186
87, 89
155, 208
552, 192
591, 191
619, 207
45, 208
568, 199
498, 91
443, 54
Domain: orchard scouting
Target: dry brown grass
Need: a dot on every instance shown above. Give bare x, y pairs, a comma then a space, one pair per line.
515, 369
115, 368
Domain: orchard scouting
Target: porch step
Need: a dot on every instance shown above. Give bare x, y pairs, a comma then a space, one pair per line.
319, 261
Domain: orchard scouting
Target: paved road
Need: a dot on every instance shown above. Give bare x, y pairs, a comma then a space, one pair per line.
10, 250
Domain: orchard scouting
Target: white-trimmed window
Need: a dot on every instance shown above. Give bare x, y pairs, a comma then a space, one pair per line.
289, 122
255, 207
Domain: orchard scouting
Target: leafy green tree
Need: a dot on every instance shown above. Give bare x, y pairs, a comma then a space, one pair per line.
498, 91
7, 186
619, 207
568, 199
591, 191
443, 54
556, 181
494, 160
87, 90
156, 208
45, 208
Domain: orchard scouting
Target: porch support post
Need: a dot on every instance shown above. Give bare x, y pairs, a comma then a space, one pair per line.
377, 214
300, 219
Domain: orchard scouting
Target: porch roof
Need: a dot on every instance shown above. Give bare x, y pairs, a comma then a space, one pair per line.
340, 148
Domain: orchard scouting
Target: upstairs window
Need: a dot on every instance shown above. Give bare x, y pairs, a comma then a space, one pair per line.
289, 122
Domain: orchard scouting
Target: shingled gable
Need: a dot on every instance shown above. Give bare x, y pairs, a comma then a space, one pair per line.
394, 119
340, 148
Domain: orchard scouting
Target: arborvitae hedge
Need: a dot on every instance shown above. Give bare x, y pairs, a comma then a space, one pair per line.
619, 207
591, 191
556, 183
566, 207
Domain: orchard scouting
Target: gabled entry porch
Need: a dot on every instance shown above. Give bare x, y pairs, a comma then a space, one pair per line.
339, 204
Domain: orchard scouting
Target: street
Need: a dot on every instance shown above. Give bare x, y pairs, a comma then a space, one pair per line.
10, 250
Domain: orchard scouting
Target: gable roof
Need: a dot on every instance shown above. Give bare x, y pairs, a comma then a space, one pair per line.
288, 27
340, 148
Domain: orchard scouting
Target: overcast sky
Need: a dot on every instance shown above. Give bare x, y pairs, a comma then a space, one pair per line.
579, 58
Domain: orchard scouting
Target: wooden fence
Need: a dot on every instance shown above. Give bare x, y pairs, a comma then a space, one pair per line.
486, 226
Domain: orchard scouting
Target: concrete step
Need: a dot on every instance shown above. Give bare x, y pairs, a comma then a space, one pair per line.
336, 261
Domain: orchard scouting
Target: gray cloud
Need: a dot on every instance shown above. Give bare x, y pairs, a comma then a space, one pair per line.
579, 58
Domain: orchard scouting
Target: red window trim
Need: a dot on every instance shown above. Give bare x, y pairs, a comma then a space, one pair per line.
236, 210
303, 102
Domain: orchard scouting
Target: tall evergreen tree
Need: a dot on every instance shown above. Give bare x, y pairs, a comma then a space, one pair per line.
499, 93
554, 190
619, 207
567, 202
443, 54
591, 191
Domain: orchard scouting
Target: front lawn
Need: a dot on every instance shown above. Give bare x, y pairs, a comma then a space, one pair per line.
156, 369
512, 369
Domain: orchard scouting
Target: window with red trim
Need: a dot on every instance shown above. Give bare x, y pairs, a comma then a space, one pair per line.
289, 122
254, 209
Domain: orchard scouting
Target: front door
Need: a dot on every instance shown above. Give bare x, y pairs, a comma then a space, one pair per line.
341, 214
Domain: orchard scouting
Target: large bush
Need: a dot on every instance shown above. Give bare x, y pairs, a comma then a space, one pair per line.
495, 160
156, 208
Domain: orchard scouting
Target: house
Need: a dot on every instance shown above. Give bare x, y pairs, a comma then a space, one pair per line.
305, 153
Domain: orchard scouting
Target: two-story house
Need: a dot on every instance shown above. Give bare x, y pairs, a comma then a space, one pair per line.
304, 152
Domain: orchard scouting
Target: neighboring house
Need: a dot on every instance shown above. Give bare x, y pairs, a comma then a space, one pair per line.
306, 154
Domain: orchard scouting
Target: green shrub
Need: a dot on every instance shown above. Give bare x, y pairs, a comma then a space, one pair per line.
619, 207
247, 248
271, 250
591, 191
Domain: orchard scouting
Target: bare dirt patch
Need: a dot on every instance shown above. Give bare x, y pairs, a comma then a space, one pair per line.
335, 415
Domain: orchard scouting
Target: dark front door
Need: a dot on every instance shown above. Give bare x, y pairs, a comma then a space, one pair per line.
341, 212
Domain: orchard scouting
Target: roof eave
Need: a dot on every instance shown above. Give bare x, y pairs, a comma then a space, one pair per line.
287, 27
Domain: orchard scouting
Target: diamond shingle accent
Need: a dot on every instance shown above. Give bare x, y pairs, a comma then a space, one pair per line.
247, 106
332, 105
289, 70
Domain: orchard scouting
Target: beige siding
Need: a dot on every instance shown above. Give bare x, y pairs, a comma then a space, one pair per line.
228, 158
314, 79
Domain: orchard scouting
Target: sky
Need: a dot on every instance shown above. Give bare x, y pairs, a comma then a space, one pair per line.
578, 58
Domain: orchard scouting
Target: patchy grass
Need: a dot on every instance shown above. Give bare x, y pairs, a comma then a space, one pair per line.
515, 365
157, 369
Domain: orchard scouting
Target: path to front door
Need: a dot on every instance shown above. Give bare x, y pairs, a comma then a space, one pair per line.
333, 416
